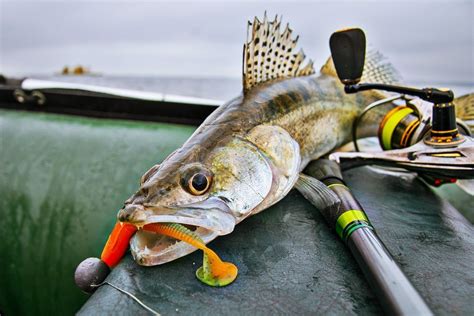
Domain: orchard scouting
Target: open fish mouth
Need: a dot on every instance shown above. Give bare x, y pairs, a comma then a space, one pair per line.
149, 249
208, 220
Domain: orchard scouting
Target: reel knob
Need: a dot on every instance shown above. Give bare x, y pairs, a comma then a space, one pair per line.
348, 53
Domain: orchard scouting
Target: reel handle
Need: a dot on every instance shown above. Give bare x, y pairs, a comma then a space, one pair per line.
348, 53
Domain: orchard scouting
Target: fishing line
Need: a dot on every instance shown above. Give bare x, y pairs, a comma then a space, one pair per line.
136, 299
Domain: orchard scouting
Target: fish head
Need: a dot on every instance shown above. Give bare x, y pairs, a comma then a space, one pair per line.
208, 191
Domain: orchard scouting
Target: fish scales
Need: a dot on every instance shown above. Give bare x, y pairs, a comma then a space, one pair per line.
319, 121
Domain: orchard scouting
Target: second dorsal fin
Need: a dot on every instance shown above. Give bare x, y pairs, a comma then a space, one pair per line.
270, 54
377, 69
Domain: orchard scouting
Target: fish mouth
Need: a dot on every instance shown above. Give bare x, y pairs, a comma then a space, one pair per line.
149, 249
208, 220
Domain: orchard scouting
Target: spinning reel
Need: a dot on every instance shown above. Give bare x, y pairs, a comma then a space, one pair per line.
414, 136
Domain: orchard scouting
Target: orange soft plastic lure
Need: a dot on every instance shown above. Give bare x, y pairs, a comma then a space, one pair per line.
214, 271
117, 244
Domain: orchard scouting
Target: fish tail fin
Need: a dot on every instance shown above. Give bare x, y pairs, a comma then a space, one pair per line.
377, 69
465, 109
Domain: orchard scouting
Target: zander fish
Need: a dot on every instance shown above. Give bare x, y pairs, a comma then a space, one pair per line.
248, 154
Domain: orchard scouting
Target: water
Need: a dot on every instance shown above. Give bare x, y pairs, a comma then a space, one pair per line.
210, 88
222, 89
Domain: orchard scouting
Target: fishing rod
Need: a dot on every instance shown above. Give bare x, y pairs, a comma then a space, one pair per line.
429, 143
392, 287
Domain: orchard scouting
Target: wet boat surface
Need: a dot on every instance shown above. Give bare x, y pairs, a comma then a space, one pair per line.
65, 177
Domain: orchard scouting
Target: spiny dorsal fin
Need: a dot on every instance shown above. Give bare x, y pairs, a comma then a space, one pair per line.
376, 69
270, 54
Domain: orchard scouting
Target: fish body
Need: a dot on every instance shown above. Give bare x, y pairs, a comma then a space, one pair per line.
301, 118
246, 156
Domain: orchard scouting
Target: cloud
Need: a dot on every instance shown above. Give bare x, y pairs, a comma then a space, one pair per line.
205, 38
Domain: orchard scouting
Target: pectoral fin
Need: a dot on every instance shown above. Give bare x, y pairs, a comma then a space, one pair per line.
317, 193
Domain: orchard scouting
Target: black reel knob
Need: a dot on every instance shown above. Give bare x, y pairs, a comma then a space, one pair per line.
348, 53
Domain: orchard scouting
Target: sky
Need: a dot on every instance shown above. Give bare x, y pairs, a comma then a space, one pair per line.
425, 40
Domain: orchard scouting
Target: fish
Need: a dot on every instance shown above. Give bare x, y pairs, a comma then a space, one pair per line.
248, 154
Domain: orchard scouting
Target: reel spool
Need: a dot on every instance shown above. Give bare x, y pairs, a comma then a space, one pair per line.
397, 128
404, 126
401, 127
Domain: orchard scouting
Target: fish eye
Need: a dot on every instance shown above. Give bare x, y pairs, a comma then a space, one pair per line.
199, 183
